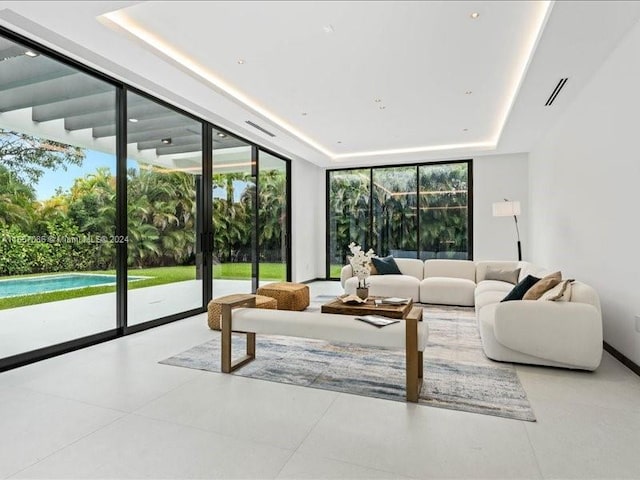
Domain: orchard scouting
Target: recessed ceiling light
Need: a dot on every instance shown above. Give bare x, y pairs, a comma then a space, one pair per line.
304, 114
133, 120
377, 100
474, 15
221, 135
31, 53
465, 129
339, 141
240, 61
468, 92
382, 107
166, 141
328, 29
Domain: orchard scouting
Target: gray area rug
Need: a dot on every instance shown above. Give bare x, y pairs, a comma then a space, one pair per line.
457, 374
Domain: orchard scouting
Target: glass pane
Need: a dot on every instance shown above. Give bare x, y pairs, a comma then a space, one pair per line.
348, 216
57, 202
164, 171
395, 226
444, 212
234, 190
272, 202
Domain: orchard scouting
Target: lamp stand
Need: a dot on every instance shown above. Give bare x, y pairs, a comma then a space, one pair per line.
518, 234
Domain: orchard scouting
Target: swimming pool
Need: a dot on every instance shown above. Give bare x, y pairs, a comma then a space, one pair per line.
52, 283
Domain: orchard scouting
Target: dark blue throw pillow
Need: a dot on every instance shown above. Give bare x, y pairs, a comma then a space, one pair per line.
386, 266
521, 288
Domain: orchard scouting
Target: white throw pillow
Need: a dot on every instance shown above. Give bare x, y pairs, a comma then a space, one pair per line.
559, 293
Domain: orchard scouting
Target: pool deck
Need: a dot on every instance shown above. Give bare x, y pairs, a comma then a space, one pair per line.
28, 328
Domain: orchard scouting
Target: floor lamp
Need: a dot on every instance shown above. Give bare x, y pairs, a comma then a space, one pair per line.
509, 209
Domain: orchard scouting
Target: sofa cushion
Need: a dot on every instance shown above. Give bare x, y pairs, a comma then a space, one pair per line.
450, 268
388, 286
504, 275
523, 286
490, 297
411, 266
386, 265
494, 286
546, 283
447, 291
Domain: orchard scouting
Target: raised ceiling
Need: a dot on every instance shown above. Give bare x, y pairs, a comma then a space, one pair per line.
311, 72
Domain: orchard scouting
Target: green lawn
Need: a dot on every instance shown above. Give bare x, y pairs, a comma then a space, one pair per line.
335, 271
157, 276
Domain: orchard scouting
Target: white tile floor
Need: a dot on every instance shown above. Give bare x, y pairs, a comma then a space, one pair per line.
111, 411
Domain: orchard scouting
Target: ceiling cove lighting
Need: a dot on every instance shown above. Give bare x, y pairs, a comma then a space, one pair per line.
120, 21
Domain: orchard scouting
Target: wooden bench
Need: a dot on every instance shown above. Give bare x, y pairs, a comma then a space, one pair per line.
409, 334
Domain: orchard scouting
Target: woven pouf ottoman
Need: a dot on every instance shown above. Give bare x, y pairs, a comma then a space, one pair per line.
214, 309
290, 296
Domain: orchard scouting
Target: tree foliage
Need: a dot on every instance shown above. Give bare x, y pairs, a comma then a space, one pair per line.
385, 214
27, 157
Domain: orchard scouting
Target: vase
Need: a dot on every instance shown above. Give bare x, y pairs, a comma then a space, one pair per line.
363, 293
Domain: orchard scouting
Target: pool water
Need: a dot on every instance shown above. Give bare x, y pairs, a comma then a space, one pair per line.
53, 283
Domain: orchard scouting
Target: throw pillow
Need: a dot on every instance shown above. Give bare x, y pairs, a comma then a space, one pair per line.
547, 283
503, 275
521, 288
386, 266
559, 293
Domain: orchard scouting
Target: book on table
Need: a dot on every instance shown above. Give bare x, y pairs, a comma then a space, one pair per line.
393, 301
376, 320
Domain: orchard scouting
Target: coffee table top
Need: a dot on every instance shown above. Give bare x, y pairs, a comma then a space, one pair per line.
368, 308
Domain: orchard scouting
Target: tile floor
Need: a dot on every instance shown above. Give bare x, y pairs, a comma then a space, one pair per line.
111, 411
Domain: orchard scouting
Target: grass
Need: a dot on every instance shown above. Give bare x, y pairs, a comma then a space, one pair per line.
335, 271
157, 276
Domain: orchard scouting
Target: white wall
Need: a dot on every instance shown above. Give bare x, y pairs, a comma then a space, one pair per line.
496, 177
585, 177
307, 221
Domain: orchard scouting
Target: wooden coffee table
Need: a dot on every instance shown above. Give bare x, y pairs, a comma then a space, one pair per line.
370, 308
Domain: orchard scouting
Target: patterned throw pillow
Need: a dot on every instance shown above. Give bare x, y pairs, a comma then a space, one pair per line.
559, 293
386, 266
521, 288
503, 275
547, 283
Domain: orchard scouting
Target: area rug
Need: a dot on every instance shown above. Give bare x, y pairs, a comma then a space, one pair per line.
457, 374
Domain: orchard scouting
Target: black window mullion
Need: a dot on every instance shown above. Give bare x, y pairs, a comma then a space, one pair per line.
121, 209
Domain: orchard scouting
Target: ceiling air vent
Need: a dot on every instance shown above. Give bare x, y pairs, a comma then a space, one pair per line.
556, 91
258, 127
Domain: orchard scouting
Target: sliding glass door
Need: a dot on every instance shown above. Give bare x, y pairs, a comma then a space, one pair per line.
57, 199
233, 195
164, 172
273, 212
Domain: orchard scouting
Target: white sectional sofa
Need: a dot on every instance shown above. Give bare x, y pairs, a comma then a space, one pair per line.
561, 334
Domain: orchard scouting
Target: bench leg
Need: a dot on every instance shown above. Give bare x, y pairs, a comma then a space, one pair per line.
414, 360
227, 364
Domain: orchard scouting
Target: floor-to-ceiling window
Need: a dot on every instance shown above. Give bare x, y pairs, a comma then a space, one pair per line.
119, 212
348, 214
233, 194
57, 202
412, 211
164, 172
273, 214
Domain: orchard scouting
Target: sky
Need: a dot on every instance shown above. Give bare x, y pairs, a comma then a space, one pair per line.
52, 179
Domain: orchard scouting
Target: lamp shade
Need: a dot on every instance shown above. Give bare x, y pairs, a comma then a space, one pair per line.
506, 209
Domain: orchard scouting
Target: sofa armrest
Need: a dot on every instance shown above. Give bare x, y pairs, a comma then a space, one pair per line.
345, 274
566, 332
